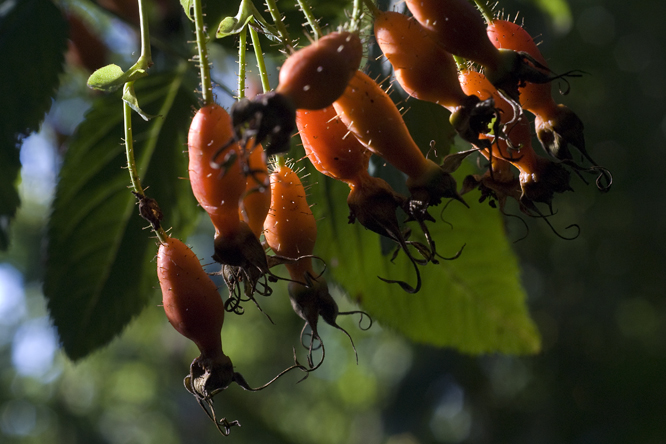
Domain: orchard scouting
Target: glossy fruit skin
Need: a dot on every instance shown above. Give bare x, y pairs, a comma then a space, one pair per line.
190, 298
256, 200
291, 231
220, 190
217, 190
370, 114
474, 82
290, 227
311, 78
329, 146
413, 54
556, 125
314, 76
504, 34
459, 28
339, 155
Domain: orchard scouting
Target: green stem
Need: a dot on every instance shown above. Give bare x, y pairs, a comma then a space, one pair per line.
206, 83
129, 145
309, 16
261, 64
145, 36
145, 60
280, 160
242, 62
460, 63
485, 11
372, 7
356, 15
279, 24
131, 162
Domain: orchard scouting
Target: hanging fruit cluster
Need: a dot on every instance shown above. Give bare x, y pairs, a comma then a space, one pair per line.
487, 72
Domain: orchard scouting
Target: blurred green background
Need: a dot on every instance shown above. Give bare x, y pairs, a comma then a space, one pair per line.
598, 300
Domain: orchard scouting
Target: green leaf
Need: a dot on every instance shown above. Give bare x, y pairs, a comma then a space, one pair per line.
129, 97
559, 12
187, 7
230, 26
111, 77
246, 12
100, 269
475, 304
429, 126
9, 197
33, 40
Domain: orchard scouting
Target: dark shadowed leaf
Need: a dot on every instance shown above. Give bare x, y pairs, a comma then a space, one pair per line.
101, 269
9, 198
429, 126
33, 39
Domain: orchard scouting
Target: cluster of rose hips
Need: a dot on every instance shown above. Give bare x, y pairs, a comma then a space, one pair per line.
487, 73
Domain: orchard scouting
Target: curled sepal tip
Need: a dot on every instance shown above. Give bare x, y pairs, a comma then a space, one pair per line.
208, 377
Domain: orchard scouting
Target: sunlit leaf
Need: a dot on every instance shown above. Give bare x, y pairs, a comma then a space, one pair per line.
475, 304
230, 26
100, 269
33, 40
187, 7
111, 77
246, 13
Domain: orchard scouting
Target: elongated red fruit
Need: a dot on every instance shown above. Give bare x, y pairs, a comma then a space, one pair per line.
504, 34
218, 182
189, 296
428, 72
340, 155
195, 309
311, 78
329, 147
370, 114
424, 69
460, 29
314, 76
556, 125
291, 231
218, 190
257, 198
290, 227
